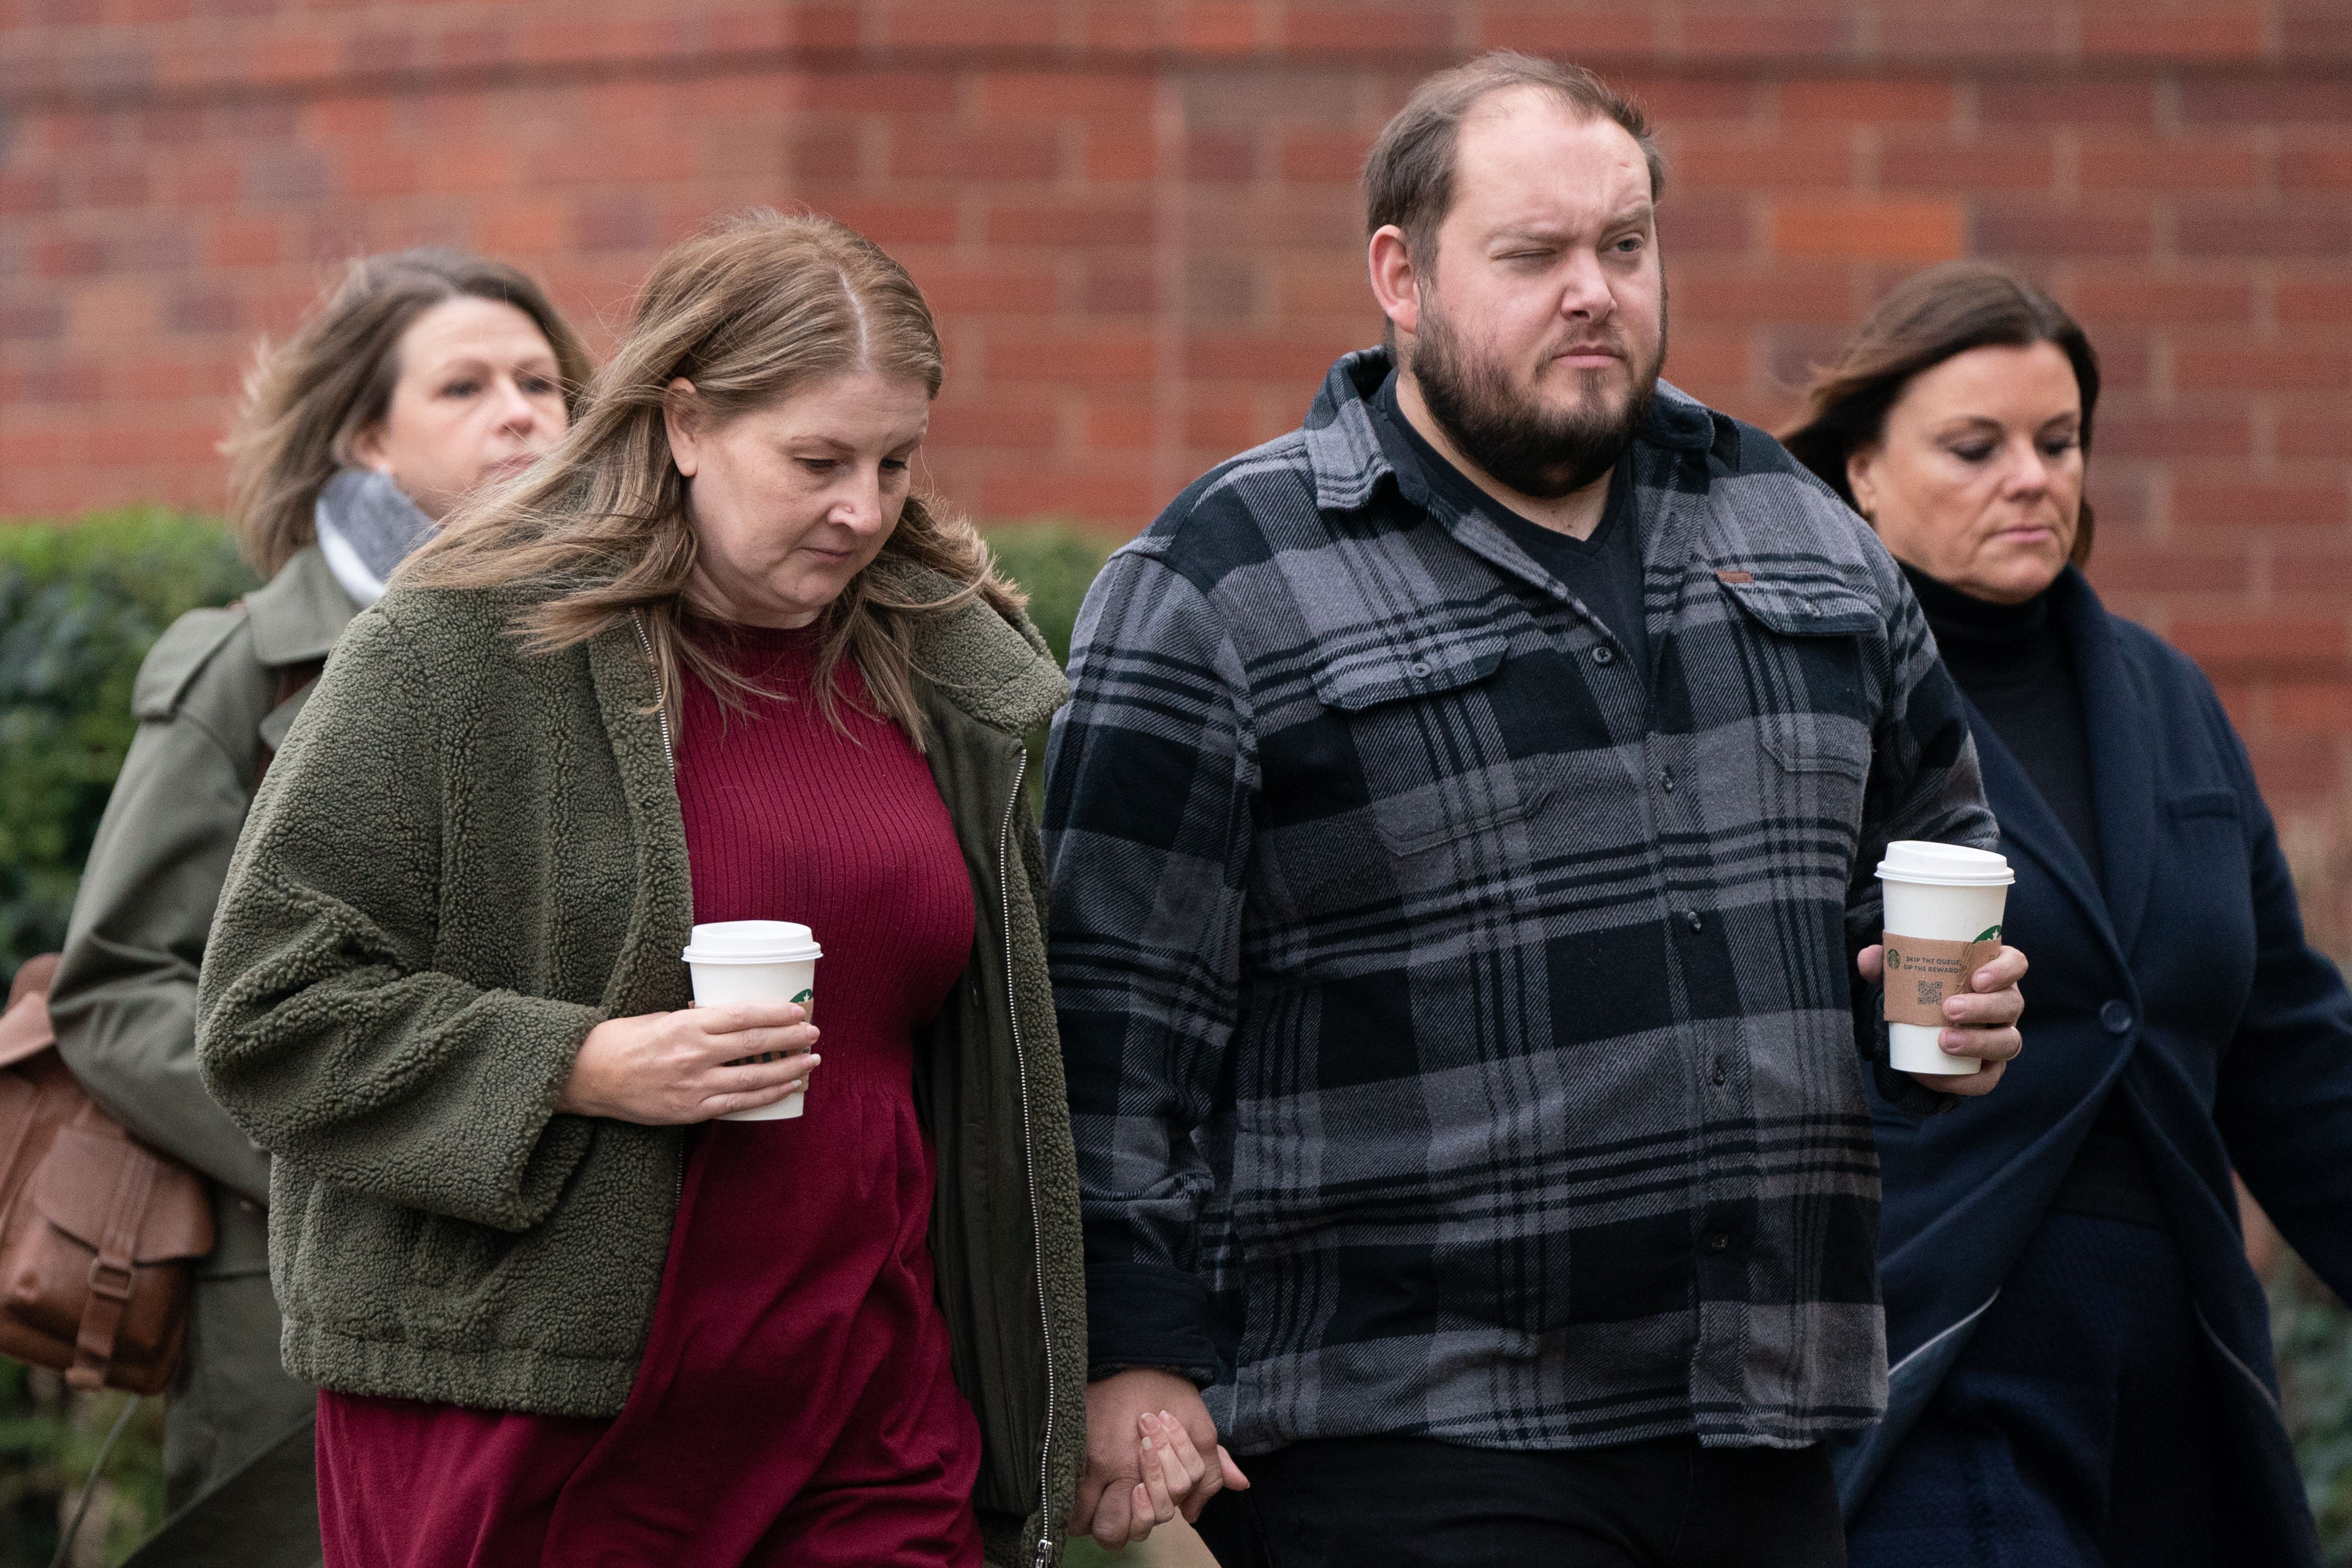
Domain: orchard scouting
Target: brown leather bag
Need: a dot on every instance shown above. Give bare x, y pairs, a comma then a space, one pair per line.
99, 1235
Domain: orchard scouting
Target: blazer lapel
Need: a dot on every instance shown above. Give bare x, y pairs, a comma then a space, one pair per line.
2122, 756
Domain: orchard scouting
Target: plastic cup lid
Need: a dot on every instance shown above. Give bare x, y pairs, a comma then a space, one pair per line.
1944, 865
752, 941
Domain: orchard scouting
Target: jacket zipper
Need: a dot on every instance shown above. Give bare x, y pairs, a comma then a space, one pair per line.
661, 712
669, 755
1045, 1553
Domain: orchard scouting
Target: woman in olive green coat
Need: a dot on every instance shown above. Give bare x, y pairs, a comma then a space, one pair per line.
424, 375
445, 987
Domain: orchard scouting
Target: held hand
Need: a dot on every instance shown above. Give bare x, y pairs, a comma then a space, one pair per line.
669, 1069
1114, 1504
1982, 1023
1176, 1479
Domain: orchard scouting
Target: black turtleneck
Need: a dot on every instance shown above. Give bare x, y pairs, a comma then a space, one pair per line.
2011, 661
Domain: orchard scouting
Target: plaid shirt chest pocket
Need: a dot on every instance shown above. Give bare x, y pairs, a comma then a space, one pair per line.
1436, 766
1804, 653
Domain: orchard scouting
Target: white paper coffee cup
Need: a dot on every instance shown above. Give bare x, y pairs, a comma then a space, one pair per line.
755, 961
1944, 895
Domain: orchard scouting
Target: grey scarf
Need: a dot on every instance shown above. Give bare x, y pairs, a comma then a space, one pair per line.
380, 524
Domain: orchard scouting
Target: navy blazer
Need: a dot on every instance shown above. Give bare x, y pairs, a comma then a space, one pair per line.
2183, 985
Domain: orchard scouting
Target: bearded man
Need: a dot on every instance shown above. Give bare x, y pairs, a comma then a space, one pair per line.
1462, 841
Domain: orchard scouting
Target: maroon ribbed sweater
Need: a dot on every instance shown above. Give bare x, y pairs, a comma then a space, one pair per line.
796, 1404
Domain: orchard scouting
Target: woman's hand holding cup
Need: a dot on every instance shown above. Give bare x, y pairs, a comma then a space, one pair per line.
1979, 1023
670, 1069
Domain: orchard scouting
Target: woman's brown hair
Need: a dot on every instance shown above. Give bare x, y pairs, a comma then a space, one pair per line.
1929, 319
751, 311
307, 400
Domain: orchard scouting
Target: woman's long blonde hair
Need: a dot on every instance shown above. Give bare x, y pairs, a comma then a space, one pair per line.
306, 399
750, 310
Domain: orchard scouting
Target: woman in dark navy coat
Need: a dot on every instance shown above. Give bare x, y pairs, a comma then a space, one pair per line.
2082, 1368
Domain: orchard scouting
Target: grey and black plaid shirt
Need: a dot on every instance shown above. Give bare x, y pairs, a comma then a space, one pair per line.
1458, 1022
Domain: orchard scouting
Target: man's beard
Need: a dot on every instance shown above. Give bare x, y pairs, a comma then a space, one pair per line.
1511, 435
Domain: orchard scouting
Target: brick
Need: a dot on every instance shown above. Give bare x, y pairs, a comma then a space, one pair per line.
1062, 225
997, 152
1119, 425
2003, 227
1573, 32
1813, 293
1855, 101
1864, 230
2315, 165
2147, 299
1747, 35
75, 256
1744, 160
2253, 369
2143, 32
2106, 162
2267, 644
1118, 495
1018, 423
2252, 505
887, 222
1704, 225
1935, 32
2300, 436
1309, 219
2122, 566
1220, 157
1023, 95
2172, 436
968, 23
1316, 157
1220, 289
2302, 708
1115, 154
2043, 102
2240, 100
1309, 30
1908, 162
2314, 227
1115, 289
1109, 356
1218, 26
1297, 357
985, 289
2314, 302
2293, 765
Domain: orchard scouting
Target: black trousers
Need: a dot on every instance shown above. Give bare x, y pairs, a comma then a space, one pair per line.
1406, 1503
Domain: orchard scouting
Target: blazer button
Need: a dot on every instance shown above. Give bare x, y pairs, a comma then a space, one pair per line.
2116, 1018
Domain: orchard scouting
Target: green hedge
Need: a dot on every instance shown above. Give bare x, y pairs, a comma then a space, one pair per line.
79, 605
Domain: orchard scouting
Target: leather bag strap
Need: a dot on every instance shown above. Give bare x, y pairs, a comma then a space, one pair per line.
111, 1271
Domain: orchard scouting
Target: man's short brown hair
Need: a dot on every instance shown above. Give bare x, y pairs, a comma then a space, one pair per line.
1409, 173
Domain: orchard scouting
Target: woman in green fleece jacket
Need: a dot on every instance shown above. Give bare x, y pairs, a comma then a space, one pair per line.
712, 660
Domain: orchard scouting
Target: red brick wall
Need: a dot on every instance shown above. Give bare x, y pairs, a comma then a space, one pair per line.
1138, 222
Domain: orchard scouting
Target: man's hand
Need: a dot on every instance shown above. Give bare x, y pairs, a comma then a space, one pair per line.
1982, 1023
1115, 1504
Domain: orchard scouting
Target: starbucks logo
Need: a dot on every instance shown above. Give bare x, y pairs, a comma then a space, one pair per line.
1893, 959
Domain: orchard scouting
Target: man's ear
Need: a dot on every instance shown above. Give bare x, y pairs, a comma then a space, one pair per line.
682, 420
1396, 281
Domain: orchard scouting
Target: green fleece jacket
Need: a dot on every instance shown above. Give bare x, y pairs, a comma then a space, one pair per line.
464, 858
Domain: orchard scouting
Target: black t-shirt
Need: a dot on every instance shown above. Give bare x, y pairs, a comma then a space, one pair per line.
1603, 571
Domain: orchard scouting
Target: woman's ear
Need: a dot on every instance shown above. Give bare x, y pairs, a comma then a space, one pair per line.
1862, 478
682, 418
366, 449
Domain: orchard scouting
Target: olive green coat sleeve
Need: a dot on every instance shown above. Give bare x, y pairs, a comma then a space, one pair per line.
325, 1024
125, 1001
